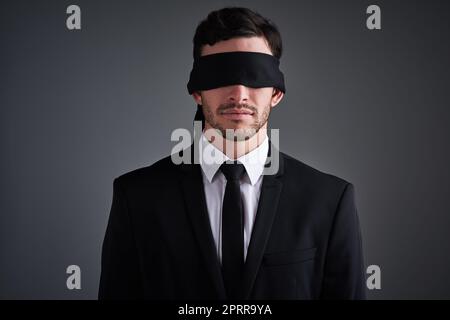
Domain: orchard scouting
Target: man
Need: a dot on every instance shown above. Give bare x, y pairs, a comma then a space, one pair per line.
223, 229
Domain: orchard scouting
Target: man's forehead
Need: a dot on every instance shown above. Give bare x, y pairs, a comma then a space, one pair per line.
251, 44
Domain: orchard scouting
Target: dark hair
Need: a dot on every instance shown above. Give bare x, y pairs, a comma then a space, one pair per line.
234, 22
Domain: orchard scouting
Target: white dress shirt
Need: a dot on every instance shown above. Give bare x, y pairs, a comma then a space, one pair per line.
215, 182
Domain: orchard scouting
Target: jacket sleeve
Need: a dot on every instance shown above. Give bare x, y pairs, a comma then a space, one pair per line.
344, 275
119, 262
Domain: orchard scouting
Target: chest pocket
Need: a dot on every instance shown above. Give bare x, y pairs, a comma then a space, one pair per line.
288, 257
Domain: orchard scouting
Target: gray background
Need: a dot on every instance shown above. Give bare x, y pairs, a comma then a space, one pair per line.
78, 108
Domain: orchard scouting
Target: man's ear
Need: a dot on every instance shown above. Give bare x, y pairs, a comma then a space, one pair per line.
277, 95
197, 97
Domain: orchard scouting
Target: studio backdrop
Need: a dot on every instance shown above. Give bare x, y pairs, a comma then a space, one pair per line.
85, 99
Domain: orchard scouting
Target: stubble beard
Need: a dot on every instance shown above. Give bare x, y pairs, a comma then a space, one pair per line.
239, 134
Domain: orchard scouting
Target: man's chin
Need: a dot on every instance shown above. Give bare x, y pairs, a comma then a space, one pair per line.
238, 134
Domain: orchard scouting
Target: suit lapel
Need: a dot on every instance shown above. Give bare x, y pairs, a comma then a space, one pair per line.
194, 196
267, 208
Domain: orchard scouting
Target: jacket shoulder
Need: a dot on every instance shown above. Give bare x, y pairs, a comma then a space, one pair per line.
157, 172
302, 171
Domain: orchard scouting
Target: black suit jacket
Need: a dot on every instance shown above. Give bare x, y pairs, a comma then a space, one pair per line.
305, 243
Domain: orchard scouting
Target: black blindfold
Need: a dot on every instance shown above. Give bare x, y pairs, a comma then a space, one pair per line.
251, 69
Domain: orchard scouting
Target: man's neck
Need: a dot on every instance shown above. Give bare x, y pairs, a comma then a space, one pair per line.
236, 149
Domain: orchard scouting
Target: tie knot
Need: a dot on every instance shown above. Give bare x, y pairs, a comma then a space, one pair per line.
232, 171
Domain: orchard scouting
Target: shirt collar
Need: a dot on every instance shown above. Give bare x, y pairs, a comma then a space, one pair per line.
253, 161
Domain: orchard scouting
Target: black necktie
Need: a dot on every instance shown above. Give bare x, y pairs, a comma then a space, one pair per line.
232, 230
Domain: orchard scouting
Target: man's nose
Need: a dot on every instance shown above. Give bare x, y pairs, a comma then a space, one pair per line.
238, 93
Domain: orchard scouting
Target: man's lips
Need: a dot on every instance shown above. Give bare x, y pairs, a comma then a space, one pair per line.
237, 111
